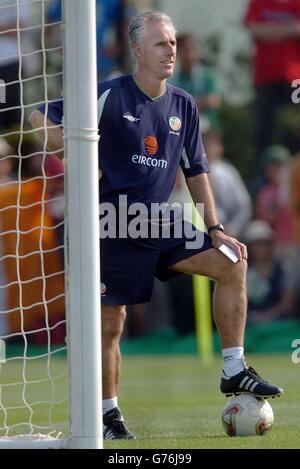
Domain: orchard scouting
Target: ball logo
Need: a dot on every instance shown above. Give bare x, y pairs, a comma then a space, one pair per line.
245, 415
175, 123
151, 145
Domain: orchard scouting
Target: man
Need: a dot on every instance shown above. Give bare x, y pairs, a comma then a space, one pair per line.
275, 29
147, 126
112, 18
295, 212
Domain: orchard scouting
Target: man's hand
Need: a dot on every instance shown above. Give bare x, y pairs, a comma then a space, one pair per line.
218, 238
53, 133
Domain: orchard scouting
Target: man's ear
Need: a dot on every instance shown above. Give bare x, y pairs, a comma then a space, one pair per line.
138, 50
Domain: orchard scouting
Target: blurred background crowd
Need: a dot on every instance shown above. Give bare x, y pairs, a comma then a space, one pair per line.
239, 59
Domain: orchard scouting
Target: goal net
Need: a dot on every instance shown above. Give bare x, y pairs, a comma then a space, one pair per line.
34, 372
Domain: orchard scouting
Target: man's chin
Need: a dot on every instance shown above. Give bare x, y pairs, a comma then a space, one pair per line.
166, 75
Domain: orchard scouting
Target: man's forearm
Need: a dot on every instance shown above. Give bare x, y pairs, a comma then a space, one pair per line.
274, 32
201, 192
52, 133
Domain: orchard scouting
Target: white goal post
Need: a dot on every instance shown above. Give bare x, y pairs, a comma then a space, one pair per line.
81, 137
40, 380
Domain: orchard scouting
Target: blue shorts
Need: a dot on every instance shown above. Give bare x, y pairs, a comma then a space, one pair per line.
128, 266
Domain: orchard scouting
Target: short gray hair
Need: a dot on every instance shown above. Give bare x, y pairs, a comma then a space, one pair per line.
140, 22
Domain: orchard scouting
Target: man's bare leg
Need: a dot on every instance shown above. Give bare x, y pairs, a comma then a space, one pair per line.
113, 319
230, 301
230, 306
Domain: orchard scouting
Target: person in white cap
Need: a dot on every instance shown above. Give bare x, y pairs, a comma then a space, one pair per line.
268, 280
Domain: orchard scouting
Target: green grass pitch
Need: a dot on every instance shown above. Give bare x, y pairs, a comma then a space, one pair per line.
174, 401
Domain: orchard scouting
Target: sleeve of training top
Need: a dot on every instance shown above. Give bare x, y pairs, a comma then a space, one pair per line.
193, 160
55, 111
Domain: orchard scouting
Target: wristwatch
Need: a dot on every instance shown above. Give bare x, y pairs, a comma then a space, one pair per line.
217, 227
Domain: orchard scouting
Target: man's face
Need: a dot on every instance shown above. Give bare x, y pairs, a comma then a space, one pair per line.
157, 52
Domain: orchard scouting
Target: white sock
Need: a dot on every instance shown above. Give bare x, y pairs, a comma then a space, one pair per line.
234, 363
109, 404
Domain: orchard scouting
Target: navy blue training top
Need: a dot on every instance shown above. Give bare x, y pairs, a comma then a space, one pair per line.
143, 140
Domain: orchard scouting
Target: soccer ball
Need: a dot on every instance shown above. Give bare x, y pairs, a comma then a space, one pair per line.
246, 415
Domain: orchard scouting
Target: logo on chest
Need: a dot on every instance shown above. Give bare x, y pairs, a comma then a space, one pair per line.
175, 124
130, 118
151, 147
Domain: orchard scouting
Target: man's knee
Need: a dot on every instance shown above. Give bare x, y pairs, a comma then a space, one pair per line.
233, 272
113, 319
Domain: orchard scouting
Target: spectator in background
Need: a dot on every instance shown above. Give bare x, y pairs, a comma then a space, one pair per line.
269, 283
7, 161
6, 167
29, 276
54, 15
109, 22
54, 169
9, 58
113, 18
198, 80
272, 202
127, 12
275, 29
295, 211
233, 203
31, 259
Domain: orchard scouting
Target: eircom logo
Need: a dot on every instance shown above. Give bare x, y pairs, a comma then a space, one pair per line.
151, 146
148, 161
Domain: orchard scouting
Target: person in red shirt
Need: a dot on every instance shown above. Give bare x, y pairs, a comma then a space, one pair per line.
275, 29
